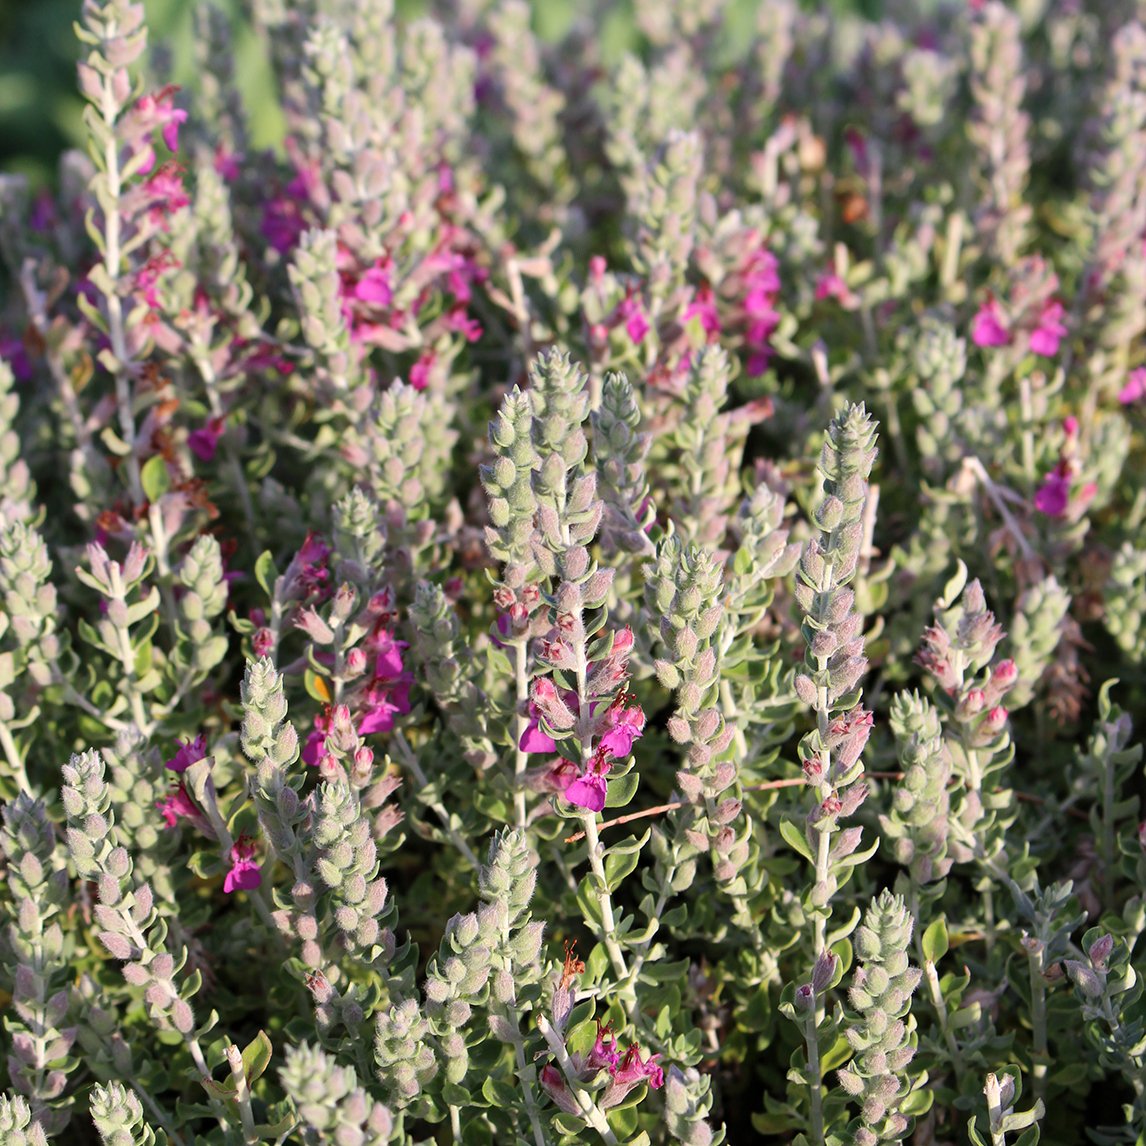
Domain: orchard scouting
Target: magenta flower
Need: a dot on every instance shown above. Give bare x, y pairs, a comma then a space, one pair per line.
831, 286
604, 1055
204, 441
988, 327
315, 747
148, 276
308, 575
420, 371
761, 280
703, 308
1135, 388
244, 874
374, 286
384, 700
628, 725
588, 791
189, 752
553, 1083
533, 739
226, 165
1054, 496
388, 693
179, 805
13, 352
167, 194
632, 1072
1045, 338
159, 110
633, 316
282, 224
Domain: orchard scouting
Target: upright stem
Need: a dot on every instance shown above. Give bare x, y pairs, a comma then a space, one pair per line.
15, 760
113, 256
521, 758
940, 1005
1107, 843
1036, 964
604, 899
242, 1095
815, 1099
586, 1105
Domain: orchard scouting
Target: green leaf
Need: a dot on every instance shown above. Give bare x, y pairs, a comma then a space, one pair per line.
155, 478
617, 866
934, 942
114, 443
256, 1056
265, 572
499, 1093
621, 790
795, 838
836, 1055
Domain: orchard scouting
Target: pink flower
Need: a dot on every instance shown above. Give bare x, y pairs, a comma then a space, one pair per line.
604, 1054
388, 693
420, 371
1135, 388
588, 791
460, 320
307, 575
636, 324
1045, 338
761, 280
167, 194
179, 805
189, 752
244, 874
632, 1072
384, 701
282, 224
148, 276
374, 286
703, 309
831, 286
315, 746
226, 165
204, 441
159, 110
533, 739
628, 724
553, 1083
988, 327
1053, 496
13, 352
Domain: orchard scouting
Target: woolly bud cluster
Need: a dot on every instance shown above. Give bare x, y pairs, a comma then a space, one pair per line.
918, 824
329, 1102
683, 591
346, 863
619, 450
958, 651
881, 1033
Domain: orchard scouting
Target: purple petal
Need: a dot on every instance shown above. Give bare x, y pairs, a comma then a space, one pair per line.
587, 792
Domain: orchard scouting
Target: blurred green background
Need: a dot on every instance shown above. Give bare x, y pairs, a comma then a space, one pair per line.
40, 109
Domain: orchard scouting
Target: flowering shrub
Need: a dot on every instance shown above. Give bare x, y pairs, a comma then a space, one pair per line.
580, 601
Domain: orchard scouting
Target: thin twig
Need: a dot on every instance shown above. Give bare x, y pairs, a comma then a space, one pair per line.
994, 493
770, 785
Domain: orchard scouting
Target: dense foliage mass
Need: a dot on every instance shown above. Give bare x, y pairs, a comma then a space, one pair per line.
579, 602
